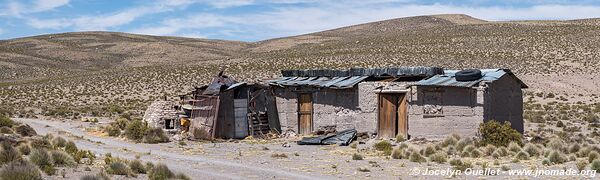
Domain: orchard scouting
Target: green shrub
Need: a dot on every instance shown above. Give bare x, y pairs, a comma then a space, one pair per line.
59, 142
137, 167
357, 156
155, 135
24, 149
384, 146
40, 143
61, 158
581, 165
71, 148
439, 158
112, 130
546, 162
514, 147
118, 168
449, 141
6, 130
557, 157
160, 172
182, 176
149, 166
460, 165
25, 130
574, 148
416, 157
397, 153
400, 138
121, 123
593, 156
489, 149
522, 155
8, 153
532, 150
476, 153
5, 121
136, 130
460, 145
557, 144
20, 170
428, 150
42, 159
595, 165
492, 132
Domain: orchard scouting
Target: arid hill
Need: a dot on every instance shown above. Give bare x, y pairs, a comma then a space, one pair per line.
92, 71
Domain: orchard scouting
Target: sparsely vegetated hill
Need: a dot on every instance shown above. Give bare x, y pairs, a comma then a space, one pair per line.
99, 73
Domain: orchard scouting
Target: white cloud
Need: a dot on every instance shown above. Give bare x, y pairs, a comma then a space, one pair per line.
230, 3
1, 31
45, 5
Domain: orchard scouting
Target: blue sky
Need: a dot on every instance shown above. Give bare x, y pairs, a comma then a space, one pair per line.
254, 20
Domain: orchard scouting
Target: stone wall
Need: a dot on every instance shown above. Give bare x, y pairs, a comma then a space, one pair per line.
158, 111
435, 113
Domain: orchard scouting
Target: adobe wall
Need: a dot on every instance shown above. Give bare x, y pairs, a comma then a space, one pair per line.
461, 112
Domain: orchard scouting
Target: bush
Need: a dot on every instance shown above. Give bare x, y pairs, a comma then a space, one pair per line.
20, 170
532, 150
514, 147
71, 148
40, 143
476, 153
137, 167
136, 130
155, 135
8, 153
439, 158
522, 155
489, 149
492, 132
357, 156
400, 138
5, 121
546, 162
279, 155
112, 130
384, 146
593, 156
460, 165
460, 145
557, 157
25, 130
61, 158
6, 130
397, 153
449, 141
574, 148
160, 172
118, 168
429, 150
595, 165
42, 159
182, 176
416, 157
581, 165
24, 149
59, 142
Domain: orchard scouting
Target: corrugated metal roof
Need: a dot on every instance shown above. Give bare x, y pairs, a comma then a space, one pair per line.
447, 79
323, 82
394, 71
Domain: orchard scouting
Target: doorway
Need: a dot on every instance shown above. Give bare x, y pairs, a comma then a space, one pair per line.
305, 113
392, 118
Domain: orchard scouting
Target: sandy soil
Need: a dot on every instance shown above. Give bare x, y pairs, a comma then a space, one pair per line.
252, 159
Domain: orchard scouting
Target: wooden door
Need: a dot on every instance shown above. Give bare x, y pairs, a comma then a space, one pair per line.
392, 115
305, 112
402, 115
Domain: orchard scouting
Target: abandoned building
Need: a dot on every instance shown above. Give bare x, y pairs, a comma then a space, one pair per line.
229, 109
162, 114
424, 102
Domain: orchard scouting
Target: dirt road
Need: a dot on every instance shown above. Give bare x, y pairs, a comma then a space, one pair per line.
197, 166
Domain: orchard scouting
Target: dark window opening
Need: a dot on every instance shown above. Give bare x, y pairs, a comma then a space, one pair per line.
169, 124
